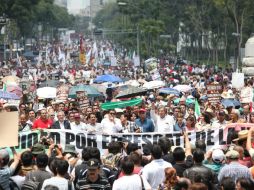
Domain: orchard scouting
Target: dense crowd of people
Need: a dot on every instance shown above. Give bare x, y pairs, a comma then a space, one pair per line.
126, 166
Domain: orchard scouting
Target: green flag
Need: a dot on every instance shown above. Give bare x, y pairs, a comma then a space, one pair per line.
197, 108
121, 104
4, 87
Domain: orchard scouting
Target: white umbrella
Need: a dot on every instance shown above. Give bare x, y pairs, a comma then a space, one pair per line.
154, 84
183, 88
133, 83
46, 92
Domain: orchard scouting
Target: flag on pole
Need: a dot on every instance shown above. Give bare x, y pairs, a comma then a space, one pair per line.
197, 108
82, 55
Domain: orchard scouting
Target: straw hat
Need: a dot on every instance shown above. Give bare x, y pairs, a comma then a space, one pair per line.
242, 135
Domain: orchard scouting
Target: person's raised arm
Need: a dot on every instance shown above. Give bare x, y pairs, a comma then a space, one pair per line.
249, 137
16, 158
187, 144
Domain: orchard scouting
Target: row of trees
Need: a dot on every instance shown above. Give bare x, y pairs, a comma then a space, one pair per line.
25, 16
211, 30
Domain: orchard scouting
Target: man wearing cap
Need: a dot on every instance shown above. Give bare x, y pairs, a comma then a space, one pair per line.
214, 160
77, 124
234, 169
5, 170
163, 122
145, 124
93, 179
43, 122
110, 124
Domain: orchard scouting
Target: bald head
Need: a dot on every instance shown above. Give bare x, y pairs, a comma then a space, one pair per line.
4, 157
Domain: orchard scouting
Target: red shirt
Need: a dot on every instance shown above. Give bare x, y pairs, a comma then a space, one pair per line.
42, 124
136, 170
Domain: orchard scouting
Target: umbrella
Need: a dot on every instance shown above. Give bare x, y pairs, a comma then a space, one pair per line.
154, 84
90, 91
121, 104
107, 78
188, 101
11, 80
8, 95
169, 91
183, 88
15, 89
131, 92
46, 92
230, 103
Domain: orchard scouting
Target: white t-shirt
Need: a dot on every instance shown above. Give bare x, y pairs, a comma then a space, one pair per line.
109, 127
132, 182
80, 126
154, 172
165, 124
59, 182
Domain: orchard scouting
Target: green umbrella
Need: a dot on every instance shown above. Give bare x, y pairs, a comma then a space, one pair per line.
90, 91
131, 91
121, 104
188, 101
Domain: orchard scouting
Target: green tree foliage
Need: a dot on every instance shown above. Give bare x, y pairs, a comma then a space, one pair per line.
204, 26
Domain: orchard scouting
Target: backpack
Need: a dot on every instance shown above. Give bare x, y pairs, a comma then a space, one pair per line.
30, 184
13, 185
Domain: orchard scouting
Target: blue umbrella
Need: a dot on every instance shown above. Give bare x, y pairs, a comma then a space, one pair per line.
169, 91
230, 103
90, 91
8, 95
107, 78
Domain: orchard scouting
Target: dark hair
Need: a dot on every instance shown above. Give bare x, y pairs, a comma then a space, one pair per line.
127, 165
198, 155
135, 157
52, 165
207, 117
198, 186
27, 158
51, 187
114, 147
131, 147
245, 183
94, 152
200, 144
227, 183
90, 114
156, 152
165, 144
85, 153
42, 160
179, 154
181, 184
62, 167
192, 119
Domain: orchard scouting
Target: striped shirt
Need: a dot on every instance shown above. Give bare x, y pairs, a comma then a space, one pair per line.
101, 184
235, 171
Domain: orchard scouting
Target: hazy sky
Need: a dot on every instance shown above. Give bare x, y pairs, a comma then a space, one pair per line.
74, 6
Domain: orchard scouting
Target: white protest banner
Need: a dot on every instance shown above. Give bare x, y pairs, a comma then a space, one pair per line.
213, 138
9, 129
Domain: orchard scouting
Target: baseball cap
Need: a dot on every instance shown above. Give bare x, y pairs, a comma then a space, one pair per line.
232, 154
38, 149
142, 110
76, 115
93, 164
218, 156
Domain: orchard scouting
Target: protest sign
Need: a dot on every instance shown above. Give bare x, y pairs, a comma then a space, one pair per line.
214, 92
237, 80
9, 129
213, 138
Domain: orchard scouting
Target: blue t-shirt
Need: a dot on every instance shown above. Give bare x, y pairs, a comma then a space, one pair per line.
146, 126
